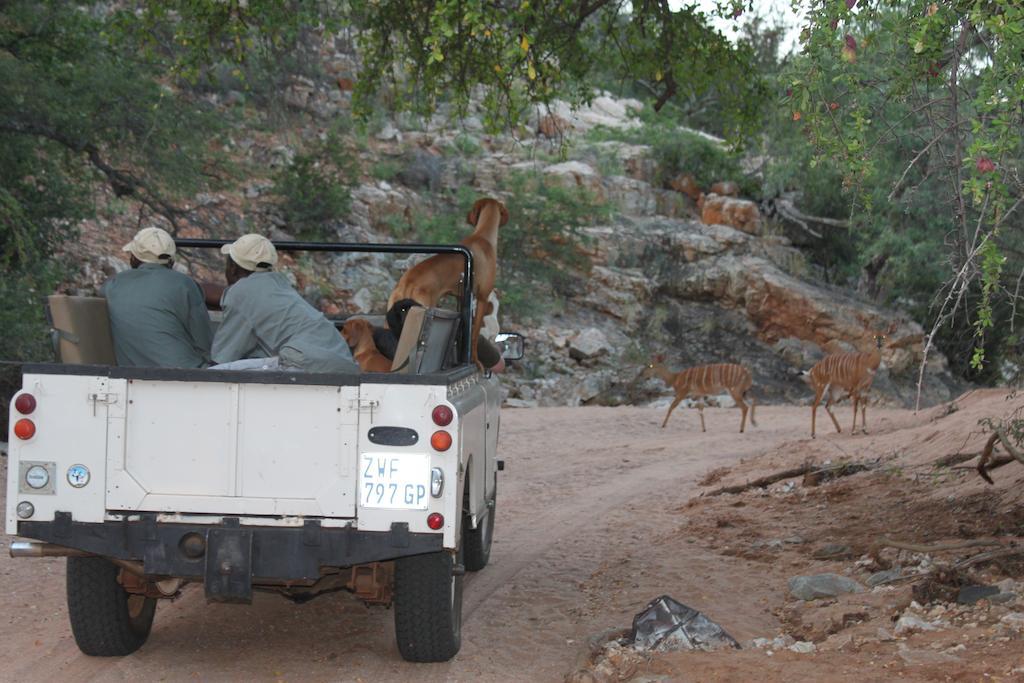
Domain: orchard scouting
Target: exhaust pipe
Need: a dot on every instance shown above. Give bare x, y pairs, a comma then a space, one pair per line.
37, 549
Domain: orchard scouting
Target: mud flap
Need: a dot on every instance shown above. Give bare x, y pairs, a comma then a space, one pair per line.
228, 575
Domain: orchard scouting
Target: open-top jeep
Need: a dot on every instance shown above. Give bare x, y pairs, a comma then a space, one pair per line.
383, 484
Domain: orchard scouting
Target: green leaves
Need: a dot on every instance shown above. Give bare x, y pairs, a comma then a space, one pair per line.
928, 140
420, 54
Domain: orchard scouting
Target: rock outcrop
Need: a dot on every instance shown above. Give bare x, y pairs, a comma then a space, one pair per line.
714, 287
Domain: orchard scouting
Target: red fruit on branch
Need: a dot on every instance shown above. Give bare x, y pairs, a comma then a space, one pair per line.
851, 42
850, 4
985, 165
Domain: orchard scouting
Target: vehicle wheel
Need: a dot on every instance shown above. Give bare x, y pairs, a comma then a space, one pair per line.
106, 620
477, 542
428, 606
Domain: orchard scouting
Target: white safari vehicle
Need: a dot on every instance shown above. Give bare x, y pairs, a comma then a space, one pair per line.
383, 484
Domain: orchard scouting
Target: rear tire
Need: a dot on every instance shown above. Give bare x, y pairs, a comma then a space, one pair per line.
106, 620
477, 542
428, 606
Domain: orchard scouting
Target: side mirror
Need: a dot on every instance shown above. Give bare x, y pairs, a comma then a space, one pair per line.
511, 345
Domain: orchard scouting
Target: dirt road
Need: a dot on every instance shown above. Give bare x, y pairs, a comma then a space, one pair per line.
585, 506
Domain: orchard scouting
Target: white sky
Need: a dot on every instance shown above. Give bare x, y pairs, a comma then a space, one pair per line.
765, 8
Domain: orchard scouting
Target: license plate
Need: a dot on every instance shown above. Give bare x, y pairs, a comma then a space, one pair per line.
395, 480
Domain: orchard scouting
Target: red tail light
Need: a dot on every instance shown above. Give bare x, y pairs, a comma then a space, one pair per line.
25, 404
435, 520
441, 440
24, 429
442, 416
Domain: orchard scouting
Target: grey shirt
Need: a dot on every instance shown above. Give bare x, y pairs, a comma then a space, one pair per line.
264, 316
158, 318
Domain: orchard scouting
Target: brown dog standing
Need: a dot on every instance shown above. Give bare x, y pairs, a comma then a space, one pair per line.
359, 335
427, 282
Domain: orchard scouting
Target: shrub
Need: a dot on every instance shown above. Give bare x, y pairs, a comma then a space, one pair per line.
677, 151
315, 188
541, 249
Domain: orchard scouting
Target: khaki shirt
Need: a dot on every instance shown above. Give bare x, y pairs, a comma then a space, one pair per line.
158, 318
264, 316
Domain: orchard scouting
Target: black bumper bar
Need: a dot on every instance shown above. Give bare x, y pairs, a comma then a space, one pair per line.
230, 557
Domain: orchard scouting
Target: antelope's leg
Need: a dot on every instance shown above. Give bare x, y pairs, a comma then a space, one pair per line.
700, 409
828, 409
670, 409
814, 410
864, 416
856, 400
741, 404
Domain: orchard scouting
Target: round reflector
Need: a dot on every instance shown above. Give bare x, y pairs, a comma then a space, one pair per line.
435, 520
441, 440
25, 429
442, 416
25, 404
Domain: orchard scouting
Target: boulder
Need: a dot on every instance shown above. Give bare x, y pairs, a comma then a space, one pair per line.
741, 214
589, 343
553, 126
726, 188
686, 184
422, 171
576, 174
822, 586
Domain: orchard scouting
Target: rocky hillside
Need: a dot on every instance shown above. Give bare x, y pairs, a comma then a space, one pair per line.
710, 284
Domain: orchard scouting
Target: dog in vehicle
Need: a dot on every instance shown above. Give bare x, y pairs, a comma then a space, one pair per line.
426, 283
359, 335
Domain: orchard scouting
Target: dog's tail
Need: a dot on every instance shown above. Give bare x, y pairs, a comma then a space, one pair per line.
396, 315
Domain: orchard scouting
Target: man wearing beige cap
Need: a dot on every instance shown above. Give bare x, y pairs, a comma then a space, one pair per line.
157, 315
264, 317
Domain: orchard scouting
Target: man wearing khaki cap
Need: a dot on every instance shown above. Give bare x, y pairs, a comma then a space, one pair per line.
157, 315
264, 317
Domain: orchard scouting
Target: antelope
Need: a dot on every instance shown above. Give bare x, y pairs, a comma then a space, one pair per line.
852, 372
702, 381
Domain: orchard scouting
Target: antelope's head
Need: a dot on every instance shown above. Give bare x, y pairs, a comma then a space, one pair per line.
650, 370
881, 337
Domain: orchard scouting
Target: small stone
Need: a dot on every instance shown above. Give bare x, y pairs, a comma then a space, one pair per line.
922, 657
1002, 598
911, 623
794, 540
822, 586
969, 595
832, 551
881, 577
884, 635
1014, 620
803, 647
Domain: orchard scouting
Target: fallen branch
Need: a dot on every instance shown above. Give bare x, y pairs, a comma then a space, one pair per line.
935, 547
765, 481
817, 472
990, 555
962, 564
986, 454
954, 459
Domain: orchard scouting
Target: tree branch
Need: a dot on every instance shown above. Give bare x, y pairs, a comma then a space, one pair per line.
123, 183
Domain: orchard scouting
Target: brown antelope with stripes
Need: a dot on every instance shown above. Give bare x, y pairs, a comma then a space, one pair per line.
851, 372
705, 380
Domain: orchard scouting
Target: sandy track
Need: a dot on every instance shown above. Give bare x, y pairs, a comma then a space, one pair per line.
583, 508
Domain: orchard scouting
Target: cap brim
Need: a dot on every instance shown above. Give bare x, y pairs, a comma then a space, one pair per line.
225, 249
127, 247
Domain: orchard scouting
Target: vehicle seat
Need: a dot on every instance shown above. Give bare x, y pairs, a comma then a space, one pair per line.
426, 341
81, 329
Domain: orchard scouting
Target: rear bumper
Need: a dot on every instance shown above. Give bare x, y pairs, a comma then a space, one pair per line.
256, 553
